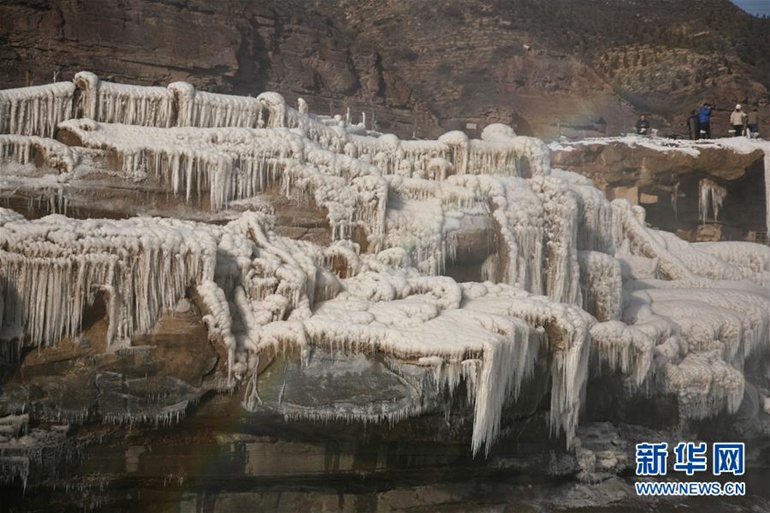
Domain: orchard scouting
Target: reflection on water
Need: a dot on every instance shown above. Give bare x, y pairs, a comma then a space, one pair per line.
209, 464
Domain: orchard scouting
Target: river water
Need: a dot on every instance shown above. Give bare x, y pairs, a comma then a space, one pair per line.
214, 462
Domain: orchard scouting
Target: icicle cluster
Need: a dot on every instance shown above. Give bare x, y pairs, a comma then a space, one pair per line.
711, 196
595, 213
36, 110
600, 283
232, 164
128, 104
210, 110
51, 269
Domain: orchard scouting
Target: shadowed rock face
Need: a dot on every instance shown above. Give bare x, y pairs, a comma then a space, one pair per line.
156, 378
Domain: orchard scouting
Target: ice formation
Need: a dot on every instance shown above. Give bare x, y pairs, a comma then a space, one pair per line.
127, 104
564, 273
711, 197
38, 151
53, 268
767, 187
36, 110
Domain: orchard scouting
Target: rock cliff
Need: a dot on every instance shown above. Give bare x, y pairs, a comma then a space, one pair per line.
415, 68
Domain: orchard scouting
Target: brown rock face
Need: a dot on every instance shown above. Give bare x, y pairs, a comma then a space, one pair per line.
238, 46
550, 68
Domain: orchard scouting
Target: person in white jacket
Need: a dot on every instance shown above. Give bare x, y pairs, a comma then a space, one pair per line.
738, 120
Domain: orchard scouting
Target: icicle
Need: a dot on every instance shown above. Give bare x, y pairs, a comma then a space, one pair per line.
134, 105
626, 349
675, 203
767, 189
601, 284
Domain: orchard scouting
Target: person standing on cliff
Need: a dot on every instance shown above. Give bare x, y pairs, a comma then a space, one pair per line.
738, 121
704, 120
693, 125
643, 126
752, 120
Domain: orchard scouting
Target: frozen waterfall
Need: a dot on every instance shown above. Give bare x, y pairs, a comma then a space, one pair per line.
561, 273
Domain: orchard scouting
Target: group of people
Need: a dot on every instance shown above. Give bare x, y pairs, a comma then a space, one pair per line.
699, 122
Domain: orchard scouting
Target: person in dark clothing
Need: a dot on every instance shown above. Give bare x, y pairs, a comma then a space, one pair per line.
693, 125
643, 126
753, 122
704, 119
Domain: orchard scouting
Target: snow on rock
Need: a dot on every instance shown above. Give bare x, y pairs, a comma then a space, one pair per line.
661, 144
600, 283
36, 150
741, 145
754, 258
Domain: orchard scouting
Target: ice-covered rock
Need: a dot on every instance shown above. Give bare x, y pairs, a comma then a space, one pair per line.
564, 273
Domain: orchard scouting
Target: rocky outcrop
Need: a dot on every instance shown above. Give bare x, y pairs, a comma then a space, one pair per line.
655, 162
665, 176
